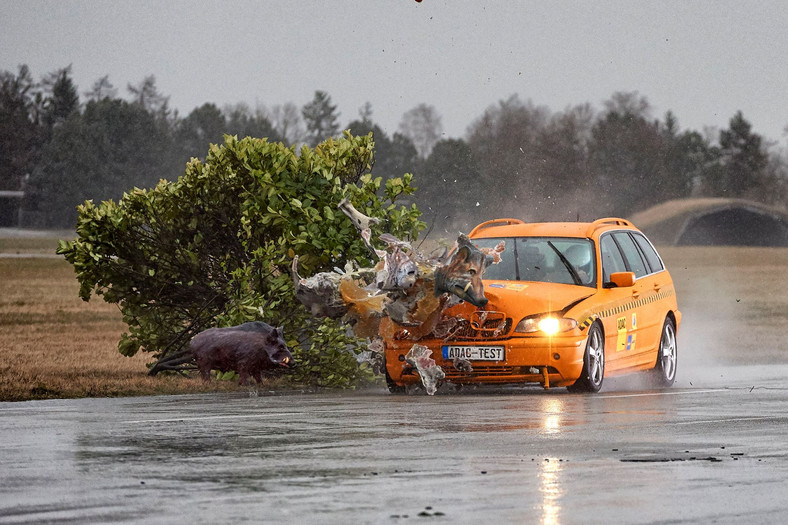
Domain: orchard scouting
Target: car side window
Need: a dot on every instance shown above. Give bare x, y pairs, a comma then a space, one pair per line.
612, 261
635, 262
651, 254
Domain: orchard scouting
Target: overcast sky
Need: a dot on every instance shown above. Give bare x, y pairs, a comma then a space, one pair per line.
702, 60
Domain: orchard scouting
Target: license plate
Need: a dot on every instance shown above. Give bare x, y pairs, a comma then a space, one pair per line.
474, 353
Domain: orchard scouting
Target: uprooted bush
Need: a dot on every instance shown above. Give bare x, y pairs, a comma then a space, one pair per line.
214, 247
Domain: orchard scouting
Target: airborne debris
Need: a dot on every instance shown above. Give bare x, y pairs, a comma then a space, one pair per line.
429, 372
374, 356
403, 297
462, 365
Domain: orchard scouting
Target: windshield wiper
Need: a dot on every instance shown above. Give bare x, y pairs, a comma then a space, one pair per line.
572, 271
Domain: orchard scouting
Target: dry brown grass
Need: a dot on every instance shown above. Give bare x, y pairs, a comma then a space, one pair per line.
734, 301
53, 345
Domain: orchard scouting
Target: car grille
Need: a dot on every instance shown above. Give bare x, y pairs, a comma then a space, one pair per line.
482, 326
452, 373
495, 371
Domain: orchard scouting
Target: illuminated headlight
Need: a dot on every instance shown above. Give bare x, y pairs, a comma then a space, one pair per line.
548, 325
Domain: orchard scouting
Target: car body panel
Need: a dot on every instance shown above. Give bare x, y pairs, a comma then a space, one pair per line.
631, 317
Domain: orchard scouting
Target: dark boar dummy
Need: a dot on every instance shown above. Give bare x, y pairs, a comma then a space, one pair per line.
248, 349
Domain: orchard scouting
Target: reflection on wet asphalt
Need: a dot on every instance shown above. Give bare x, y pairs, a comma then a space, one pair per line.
713, 451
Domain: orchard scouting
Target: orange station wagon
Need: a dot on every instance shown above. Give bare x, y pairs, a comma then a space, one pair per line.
569, 304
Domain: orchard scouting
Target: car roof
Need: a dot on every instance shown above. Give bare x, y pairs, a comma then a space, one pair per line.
518, 228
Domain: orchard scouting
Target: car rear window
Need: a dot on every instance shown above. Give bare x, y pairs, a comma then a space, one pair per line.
635, 262
651, 254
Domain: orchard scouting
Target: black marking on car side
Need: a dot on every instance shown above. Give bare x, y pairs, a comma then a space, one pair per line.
624, 307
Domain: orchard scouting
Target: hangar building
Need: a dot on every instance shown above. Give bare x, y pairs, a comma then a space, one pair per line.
714, 222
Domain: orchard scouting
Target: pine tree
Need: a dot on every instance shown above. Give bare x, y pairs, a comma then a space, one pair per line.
744, 160
320, 118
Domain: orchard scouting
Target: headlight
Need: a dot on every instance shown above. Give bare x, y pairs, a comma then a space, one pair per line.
547, 324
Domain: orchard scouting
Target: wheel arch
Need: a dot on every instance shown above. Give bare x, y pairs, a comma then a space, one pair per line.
672, 316
601, 325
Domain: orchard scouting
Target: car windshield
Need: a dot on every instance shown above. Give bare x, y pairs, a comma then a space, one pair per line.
559, 260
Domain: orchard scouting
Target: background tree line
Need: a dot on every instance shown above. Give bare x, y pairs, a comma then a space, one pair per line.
517, 159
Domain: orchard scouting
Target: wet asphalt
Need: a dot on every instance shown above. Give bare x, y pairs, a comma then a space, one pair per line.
711, 449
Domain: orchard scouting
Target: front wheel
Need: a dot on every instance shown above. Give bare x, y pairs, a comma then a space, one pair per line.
393, 387
667, 356
593, 374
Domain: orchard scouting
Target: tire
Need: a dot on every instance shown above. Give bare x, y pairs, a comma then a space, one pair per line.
393, 387
664, 372
593, 374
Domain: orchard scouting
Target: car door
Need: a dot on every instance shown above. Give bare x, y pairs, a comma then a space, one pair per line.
657, 286
612, 308
638, 321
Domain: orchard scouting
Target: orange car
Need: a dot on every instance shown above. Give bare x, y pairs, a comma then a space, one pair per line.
569, 304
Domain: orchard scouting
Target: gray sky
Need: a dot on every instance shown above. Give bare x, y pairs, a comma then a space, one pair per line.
702, 60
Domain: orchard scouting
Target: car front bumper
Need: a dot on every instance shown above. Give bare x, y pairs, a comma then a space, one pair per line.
550, 361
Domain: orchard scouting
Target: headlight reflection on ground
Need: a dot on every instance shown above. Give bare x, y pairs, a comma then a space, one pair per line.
550, 487
553, 411
550, 475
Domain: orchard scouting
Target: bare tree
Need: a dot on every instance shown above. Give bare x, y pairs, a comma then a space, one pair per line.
629, 103
422, 125
102, 88
365, 112
147, 95
286, 119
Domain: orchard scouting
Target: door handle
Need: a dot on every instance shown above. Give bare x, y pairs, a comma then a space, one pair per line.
657, 287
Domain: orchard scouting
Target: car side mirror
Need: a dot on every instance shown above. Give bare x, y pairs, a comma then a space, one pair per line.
621, 280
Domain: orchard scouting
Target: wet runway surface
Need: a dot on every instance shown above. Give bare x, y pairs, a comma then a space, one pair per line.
711, 449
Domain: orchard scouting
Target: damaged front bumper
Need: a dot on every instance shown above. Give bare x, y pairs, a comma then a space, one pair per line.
550, 361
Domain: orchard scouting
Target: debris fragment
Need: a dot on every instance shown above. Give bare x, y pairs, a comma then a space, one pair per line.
374, 356
429, 372
362, 224
462, 365
319, 293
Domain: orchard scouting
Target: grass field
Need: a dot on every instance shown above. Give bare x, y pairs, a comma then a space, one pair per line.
53, 345
734, 302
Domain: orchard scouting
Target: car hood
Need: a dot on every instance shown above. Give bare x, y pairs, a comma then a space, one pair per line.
520, 299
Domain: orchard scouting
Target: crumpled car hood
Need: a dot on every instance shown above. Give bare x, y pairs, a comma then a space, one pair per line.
519, 299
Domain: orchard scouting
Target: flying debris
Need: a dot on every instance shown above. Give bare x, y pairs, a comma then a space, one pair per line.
404, 296
430, 373
462, 365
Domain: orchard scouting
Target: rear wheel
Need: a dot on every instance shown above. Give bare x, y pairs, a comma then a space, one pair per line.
667, 356
593, 374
